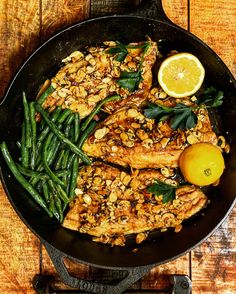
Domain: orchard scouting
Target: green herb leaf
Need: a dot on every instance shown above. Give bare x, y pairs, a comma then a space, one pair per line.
121, 56
160, 188
156, 111
218, 100
130, 80
182, 116
120, 50
211, 97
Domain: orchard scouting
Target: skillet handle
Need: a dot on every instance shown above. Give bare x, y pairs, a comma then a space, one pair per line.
151, 9
133, 275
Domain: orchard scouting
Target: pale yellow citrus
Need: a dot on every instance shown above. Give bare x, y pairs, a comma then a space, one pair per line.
201, 164
181, 75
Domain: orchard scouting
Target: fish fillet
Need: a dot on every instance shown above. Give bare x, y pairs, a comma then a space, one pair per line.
128, 138
111, 204
88, 78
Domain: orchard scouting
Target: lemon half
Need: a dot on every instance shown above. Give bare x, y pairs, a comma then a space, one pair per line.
181, 75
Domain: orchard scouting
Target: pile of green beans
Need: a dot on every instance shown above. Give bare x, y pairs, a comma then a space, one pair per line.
51, 153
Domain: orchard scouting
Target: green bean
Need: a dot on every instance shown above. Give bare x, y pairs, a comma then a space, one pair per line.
46, 192
64, 163
86, 133
30, 173
61, 136
69, 168
45, 163
57, 209
25, 184
64, 115
39, 185
97, 109
58, 205
45, 94
76, 127
24, 149
65, 159
60, 119
55, 143
69, 119
52, 207
59, 159
28, 142
46, 129
44, 133
53, 150
41, 124
70, 161
74, 175
33, 134
62, 194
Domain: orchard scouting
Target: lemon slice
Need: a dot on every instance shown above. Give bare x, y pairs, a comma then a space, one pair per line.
181, 75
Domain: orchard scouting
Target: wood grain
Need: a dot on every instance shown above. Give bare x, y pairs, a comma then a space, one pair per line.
177, 11
214, 23
19, 251
59, 14
213, 263
106, 7
19, 258
159, 277
23, 23
19, 35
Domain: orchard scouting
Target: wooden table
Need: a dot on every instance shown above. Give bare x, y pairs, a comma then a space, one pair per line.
24, 24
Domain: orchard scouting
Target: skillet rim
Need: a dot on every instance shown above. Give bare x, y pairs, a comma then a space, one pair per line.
21, 67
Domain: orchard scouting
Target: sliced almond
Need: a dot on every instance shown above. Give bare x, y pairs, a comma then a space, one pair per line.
112, 197
100, 133
132, 112
87, 199
191, 139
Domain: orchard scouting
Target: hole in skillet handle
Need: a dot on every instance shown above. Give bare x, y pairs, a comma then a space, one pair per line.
151, 9
133, 275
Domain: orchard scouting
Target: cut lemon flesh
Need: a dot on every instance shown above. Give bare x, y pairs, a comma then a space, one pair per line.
181, 75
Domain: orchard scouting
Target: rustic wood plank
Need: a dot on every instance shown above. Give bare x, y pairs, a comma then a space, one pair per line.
19, 251
214, 23
213, 263
177, 11
106, 7
59, 14
158, 278
19, 248
19, 35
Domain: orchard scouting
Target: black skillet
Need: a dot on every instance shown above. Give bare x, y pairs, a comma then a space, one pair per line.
150, 20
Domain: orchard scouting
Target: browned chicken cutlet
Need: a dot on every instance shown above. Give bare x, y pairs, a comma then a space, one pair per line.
111, 204
88, 78
128, 138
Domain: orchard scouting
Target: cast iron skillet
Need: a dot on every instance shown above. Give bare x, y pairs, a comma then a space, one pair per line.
159, 248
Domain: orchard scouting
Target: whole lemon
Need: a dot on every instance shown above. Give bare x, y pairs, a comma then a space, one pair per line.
201, 164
